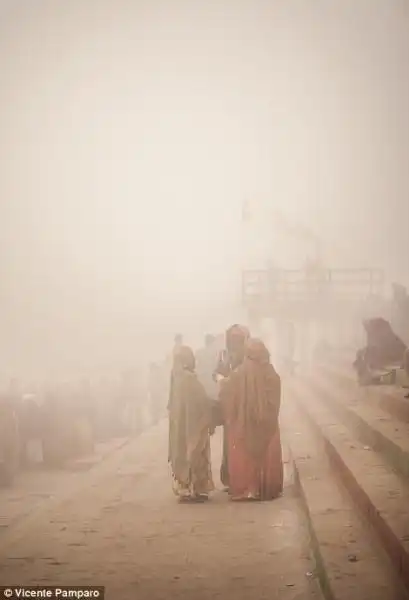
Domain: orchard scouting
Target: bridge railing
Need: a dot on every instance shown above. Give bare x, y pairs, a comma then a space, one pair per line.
296, 291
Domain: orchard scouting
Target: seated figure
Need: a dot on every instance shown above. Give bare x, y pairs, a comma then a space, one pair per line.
382, 356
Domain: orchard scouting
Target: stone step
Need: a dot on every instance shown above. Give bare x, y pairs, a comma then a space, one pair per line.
369, 422
390, 398
350, 562
381, 496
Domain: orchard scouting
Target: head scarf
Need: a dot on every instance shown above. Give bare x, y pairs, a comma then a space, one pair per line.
184, 359
236, 337
233, 354
256, 351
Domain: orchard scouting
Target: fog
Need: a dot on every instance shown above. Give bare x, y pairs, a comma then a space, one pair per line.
132, 133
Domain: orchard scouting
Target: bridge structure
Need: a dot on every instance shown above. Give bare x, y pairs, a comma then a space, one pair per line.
305, 294
322, 304
303, 286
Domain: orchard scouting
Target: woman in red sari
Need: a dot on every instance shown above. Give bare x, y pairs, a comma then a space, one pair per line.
251, 403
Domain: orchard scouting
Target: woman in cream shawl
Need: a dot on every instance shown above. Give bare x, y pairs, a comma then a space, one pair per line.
190, 423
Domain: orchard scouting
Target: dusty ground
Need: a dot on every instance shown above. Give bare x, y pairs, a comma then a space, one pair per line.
119, 525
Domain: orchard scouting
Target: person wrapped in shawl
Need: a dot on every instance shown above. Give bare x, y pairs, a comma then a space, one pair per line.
229, 360
250, 400
190, 416
9, 440
384, 350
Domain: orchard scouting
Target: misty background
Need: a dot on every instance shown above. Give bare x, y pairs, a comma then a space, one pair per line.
132, 132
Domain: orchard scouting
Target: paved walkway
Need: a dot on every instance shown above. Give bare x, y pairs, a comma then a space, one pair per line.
119, 525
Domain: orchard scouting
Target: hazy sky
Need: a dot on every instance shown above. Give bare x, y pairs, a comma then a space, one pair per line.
133, 131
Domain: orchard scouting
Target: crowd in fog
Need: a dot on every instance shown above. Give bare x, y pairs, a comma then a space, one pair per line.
51, 424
